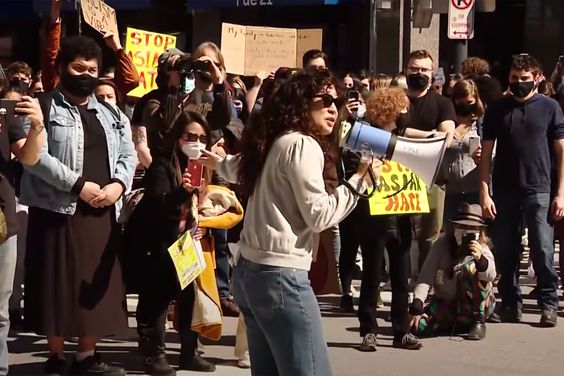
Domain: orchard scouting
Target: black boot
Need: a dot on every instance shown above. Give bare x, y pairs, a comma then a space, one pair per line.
190, 359
156, 362
194, 362
478, 329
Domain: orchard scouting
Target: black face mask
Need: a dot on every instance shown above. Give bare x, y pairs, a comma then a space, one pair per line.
521, 89
417, 81
465, 109
80, 86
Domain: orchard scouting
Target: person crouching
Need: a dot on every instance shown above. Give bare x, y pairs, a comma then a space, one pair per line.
461, 269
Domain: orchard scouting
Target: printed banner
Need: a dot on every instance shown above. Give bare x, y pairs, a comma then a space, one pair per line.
144, 48
188, 258
401, 192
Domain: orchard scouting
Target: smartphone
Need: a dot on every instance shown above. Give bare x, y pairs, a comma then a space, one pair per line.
467, 238
196, 171
473, 144
354, 94
8, 107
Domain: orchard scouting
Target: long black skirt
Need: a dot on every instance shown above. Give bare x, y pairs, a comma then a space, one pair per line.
73, 280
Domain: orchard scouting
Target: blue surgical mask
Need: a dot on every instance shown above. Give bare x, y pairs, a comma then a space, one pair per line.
188, 85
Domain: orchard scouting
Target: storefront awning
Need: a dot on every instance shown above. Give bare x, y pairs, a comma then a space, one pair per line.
208, 4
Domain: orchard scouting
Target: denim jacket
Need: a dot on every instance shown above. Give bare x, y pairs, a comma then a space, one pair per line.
49, 182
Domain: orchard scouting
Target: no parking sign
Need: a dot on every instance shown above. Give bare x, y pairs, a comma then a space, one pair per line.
461, 19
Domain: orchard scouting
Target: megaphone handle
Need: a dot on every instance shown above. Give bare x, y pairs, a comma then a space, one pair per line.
364, 196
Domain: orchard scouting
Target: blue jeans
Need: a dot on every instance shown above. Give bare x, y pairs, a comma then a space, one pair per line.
8, 258
221, 262
283, 321
535, 208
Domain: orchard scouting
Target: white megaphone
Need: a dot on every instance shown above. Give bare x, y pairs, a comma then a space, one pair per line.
423, 156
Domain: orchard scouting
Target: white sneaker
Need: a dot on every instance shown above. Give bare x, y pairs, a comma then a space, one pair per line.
245, 361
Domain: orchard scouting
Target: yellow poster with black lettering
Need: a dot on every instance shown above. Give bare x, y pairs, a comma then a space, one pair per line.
188, 258
401, 191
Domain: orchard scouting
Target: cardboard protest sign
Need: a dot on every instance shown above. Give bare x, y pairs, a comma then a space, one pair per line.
250, 49
99, 15
308, 39
401, 192
144, 48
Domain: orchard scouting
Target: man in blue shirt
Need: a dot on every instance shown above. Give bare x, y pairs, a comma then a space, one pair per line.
528, 182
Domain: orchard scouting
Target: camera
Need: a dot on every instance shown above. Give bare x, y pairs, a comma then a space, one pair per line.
185, 65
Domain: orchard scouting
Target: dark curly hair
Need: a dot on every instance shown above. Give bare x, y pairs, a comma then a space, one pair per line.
78, 46
287, 110
526, 63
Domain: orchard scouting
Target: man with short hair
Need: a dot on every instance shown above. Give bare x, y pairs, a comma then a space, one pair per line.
315, 59
429, 113
528, 181
19, 76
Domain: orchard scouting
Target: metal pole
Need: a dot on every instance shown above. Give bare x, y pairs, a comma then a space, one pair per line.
79, 15
373, 39
460, 53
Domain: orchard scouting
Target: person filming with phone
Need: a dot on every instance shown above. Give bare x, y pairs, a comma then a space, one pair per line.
460, 268
459, 165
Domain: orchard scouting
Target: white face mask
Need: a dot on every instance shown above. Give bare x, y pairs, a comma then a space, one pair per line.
193, 150
188, 86
459, 234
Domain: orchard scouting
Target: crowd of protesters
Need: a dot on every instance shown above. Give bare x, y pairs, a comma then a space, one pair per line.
109, 183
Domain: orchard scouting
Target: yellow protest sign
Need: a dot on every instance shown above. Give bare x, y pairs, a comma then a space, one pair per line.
401, 192
144, 48
188, 259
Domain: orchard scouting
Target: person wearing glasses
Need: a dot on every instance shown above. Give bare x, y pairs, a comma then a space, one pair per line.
281, 169
169, 208
428, 114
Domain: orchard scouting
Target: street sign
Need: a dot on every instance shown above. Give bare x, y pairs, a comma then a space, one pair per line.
461, 19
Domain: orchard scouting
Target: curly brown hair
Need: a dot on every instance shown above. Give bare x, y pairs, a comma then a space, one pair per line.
384, 105
475, 65
286, 110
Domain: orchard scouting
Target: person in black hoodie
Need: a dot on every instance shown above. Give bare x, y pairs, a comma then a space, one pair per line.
165, 212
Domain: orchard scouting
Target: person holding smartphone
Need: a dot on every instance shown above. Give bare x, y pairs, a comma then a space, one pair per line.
460, 268
459, 167
173, 186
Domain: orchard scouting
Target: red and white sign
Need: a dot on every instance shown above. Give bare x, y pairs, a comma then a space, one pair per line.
461, 19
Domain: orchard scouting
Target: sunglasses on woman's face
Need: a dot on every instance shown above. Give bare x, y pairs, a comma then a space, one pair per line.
328, 100
193, 137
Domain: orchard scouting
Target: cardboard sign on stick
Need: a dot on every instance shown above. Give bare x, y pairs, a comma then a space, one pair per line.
99, 15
